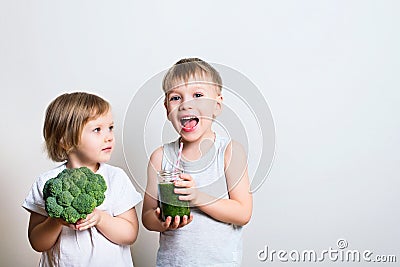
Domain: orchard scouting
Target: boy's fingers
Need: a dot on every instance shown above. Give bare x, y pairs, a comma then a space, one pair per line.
157, 210
185, 176
167, 222
185, 193
185, 183
185, 197
190, 219
184, 220
179, 190
175, 223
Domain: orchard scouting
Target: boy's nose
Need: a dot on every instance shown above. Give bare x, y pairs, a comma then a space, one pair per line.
186, 105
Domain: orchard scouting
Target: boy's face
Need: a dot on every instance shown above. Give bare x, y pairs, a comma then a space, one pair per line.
191, 108
96, 143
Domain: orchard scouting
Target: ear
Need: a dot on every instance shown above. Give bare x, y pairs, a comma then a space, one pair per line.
218, 108
62, 144
67, 147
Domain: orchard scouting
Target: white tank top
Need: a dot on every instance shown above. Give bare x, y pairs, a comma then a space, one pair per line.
205, 241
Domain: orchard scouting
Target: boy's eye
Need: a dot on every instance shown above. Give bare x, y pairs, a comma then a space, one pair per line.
198, 95
174, 98
96, 130
111, 128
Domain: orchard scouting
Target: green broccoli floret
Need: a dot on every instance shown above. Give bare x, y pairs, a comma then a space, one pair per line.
65, 198
69, 214
74, 190
84, 203
95, 186
86, 171
53, 187
73, 194
52, 208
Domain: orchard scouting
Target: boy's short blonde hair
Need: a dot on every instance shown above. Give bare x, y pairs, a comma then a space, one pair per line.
188, 68
65, 118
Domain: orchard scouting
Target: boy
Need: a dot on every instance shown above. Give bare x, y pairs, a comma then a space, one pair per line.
215, 179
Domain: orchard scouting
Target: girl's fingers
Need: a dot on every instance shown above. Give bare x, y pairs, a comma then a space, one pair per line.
85, 224
91, 220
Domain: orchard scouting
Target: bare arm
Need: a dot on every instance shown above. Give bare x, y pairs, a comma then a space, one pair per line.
121, 229
43, 231
238, 208
150, 211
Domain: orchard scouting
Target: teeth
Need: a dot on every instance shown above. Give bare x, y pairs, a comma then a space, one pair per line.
188, 118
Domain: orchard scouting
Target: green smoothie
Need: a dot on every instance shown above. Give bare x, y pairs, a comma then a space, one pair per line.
170, 203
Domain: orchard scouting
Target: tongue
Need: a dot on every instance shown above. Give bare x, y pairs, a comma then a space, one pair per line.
190, 124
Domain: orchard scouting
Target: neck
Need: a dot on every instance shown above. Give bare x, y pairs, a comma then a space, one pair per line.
72, 165
194, 150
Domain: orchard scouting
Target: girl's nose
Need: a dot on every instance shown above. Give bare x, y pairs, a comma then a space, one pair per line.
109, 136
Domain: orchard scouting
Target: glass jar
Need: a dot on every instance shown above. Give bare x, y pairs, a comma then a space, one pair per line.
170, 204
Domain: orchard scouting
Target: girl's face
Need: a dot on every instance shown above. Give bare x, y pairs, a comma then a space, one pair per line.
96, 143
192, 107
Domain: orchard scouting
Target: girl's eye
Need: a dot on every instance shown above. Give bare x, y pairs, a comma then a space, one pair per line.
97, 130
196, 95
111, 128
174, 98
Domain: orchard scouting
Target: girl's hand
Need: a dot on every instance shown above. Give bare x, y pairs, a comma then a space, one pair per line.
91, 220
176, 223
187, 189
62, 222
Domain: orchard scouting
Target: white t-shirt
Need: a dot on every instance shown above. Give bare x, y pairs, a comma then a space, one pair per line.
89, 247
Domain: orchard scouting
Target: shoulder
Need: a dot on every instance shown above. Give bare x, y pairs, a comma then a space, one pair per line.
113, 175
156, 157
111, 171
234, 146
157, 154
34, 200
234, 150
50, 173
120, 190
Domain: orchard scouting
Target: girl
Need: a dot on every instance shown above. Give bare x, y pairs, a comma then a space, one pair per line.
78, 131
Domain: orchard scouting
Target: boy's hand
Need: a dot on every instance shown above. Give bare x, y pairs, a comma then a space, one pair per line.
176, 223
186, 188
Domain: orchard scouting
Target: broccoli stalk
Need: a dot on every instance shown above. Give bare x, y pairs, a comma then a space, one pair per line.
73, 194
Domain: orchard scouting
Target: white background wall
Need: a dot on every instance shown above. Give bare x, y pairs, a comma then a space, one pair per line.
329, 70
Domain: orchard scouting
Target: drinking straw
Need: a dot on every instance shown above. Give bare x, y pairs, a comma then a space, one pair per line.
178, 161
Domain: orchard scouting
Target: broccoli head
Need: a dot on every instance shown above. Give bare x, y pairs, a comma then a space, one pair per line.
73, 194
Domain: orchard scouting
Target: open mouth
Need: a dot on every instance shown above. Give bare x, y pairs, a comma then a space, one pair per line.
189, 123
